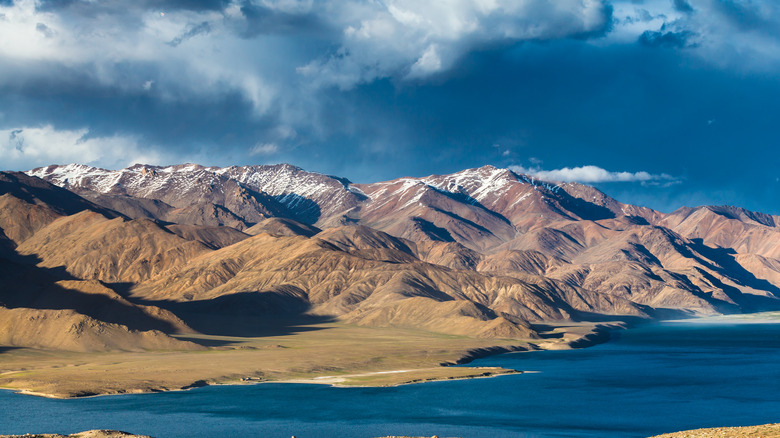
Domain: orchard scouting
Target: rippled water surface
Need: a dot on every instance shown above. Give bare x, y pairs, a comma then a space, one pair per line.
649, 380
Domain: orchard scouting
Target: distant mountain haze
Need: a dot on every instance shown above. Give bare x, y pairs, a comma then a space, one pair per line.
123, 259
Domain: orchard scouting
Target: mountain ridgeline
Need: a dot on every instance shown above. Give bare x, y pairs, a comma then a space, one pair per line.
96, 259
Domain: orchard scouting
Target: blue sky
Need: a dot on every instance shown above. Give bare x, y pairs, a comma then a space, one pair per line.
662, 103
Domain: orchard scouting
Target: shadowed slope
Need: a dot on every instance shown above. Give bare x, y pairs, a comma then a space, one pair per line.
282, 227
36, 191
49, 308
68, 330
27, 204
212, 237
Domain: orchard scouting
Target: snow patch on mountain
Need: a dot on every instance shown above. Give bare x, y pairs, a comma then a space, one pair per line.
477, 184
309, 194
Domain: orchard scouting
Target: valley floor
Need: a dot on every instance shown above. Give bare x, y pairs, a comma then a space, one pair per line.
327, 353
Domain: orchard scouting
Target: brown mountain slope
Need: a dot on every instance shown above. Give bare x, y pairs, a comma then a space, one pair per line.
27, 204
647, 264
69, 330
277, 226
30, 207
366, 277
393, 205
199, 213
762, 268
28, 286
91, 246
338, 282
450, 254
39, 192
132, 207
368, 243
744, 231
212, 237
511, 262
19, 219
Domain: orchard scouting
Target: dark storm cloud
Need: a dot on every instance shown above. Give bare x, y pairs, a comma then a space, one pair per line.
682, 6
191, 31
192, 5
679, 40
52, 5
175, 122
745, 14
84, 5
261, 20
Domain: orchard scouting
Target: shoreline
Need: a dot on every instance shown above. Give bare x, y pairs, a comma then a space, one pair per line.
339, 381
770, 317
445, 371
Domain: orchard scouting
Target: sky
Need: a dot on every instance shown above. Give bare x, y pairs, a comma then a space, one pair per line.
663, 103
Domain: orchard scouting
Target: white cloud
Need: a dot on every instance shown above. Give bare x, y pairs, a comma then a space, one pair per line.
594, 174
27, 147
264, 149
428, 63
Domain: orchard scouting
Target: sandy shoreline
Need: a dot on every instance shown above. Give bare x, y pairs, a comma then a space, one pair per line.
742, 318
406, 377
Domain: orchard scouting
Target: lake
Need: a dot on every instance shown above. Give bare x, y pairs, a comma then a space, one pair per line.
648, 380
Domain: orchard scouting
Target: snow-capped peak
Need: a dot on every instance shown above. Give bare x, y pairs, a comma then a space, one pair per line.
477, 183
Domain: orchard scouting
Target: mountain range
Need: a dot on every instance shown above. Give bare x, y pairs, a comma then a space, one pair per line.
96, 259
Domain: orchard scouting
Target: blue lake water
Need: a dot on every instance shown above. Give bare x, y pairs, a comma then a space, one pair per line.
649, 380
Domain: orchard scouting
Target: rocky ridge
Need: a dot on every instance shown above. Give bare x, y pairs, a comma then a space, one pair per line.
483, 252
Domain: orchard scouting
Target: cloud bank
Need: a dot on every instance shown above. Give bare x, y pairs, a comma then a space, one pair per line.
24, 148
410, 39
593, 174
259, 47
375, 89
